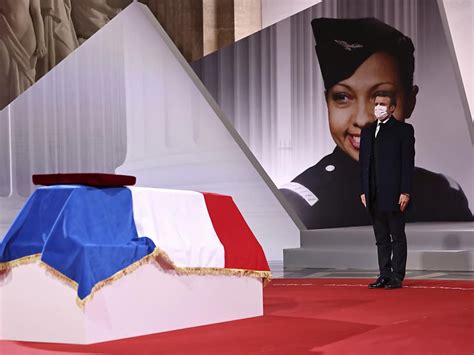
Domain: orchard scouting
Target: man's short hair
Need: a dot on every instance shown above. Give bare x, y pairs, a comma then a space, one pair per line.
390, 95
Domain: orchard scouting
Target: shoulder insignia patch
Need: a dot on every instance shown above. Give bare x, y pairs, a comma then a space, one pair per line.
302, 191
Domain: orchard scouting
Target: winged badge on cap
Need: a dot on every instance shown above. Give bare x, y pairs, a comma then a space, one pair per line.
347, 46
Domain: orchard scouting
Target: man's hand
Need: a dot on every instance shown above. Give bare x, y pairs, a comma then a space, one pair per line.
403, 201
364, 202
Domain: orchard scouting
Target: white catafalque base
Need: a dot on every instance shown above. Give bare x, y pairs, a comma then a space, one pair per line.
36, 306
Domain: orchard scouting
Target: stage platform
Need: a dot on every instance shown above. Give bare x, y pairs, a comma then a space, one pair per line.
431, 246
37, 307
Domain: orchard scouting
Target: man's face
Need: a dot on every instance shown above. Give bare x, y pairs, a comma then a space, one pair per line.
351, 101
383, 102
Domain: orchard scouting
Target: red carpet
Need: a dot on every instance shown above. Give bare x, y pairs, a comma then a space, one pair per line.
318, 316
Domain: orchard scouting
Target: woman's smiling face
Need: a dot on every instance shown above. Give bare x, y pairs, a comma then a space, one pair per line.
351, 101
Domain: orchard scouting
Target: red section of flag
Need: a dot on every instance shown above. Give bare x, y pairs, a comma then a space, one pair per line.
242, 250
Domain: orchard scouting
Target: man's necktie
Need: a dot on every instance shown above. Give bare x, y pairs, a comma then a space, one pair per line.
377, 129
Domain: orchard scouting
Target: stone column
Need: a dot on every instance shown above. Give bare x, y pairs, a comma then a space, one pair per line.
200, 27
218, 20
183, 21
247, 17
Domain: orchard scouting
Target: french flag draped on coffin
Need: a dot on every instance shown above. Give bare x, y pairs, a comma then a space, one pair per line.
90, 236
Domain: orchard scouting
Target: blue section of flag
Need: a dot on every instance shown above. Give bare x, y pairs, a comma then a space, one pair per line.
88, 234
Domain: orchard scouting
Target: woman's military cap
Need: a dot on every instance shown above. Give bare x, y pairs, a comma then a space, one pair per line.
342, 45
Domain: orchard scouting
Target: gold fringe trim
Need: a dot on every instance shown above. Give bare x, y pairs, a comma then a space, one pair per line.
162, 258
159, 256
166, 260
59, 275
118, 275
221, 271
21, 261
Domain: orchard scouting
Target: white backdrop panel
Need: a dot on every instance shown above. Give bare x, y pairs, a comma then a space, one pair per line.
127, 101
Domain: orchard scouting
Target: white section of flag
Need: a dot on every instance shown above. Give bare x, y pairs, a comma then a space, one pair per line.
178, 222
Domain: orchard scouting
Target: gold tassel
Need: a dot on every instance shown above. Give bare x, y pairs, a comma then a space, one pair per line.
265, 275
222, 271
162, 258
21, 261
59, 275
118, 275
158, 255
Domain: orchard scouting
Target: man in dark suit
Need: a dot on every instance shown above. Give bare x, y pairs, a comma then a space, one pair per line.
387, 164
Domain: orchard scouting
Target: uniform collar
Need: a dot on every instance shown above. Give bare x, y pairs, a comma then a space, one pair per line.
343, 158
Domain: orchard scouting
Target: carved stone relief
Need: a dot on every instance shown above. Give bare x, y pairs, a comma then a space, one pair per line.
35, 35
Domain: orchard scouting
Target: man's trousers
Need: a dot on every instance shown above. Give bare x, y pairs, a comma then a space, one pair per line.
391, 241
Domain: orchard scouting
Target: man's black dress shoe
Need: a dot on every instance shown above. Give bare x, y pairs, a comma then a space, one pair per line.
393, 283
379, 283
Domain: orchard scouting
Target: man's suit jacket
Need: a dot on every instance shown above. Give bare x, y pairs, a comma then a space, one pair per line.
395, 164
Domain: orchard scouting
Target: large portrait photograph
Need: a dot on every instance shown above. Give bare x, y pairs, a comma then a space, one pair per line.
301, 91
